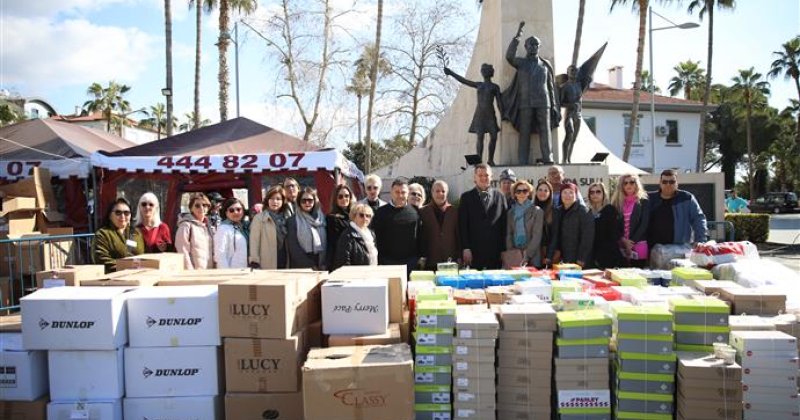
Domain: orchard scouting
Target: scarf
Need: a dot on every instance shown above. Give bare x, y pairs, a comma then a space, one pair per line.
369, 241
311, 231
280, 226
520, 238
627, 210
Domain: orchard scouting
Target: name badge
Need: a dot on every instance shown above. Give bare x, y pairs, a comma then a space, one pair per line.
131, 243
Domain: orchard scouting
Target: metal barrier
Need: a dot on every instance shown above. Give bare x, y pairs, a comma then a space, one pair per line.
728, 231
22, 258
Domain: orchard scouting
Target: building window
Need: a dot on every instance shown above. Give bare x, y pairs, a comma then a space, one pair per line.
591, 122
672, 131
636, 139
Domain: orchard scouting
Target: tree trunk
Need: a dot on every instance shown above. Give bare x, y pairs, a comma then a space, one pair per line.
412, 135
751, 169
701, 136
578, 32
224, 21
168, 30
197, 50
626, 154
797, 86
373, 76
326, 39
359, 118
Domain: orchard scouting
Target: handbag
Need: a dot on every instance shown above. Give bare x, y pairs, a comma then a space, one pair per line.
639, 251
512, 258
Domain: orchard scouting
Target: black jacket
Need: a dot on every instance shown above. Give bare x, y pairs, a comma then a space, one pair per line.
573, 234
640, 219
351, 249
335, 223
606, 239
398, 231
482, 230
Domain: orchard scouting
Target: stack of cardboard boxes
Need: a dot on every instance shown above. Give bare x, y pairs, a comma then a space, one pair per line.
474, 361
757, 301
23, 374
582, 362
433, 364
84, 331
645, 362
264, 324
708, 388
699, 323
172, 362
769, 373
525, 361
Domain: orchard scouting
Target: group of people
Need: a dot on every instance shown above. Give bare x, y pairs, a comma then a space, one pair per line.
517, 224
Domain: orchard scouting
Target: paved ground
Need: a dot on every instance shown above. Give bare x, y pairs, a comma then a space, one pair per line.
784, 240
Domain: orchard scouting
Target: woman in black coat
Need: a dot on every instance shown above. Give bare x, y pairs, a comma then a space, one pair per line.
338, 220
573, 230
543, 198
633, 218
606, 238
356, 245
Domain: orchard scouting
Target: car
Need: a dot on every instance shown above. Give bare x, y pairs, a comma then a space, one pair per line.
776, 203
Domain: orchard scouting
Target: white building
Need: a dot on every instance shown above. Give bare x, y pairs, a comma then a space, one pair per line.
96, 121
607, 109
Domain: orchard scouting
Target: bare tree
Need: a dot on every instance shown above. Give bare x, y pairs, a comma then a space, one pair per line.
301, 36
419, 86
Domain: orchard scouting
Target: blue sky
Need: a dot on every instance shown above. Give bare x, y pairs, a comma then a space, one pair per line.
55, 49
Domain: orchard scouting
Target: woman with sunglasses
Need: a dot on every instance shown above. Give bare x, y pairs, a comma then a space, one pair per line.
117, 238
193, 238
156, 234
268, 231
338, 220
633, 216
573, 230
606, 249
543, 198
230, 239
306, 237
356, 245
416, 195
524, 224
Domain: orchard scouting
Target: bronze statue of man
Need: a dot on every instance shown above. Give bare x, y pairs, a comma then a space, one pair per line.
570, 94
531, 101
484, 121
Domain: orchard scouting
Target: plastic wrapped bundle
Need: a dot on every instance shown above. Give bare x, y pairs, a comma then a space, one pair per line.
661, 255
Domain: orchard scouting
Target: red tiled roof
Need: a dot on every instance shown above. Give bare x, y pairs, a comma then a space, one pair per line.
599, 92
95, 116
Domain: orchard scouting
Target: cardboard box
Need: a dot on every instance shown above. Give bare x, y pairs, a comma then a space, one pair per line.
436, 314
647, 363
649, 320
172, 316
535, 287
730, 392
472, 323
534, 397
433, 356
524, 360
751, 323
263, 365
482, 369
471, 353
86, 375
342, 383
582, 349
702, 366
391, 336
183, 408
356, 307
257, 308
69, 276
755, 301
23, 374
24, 410
279, 406
714, 287
534, 378
705, 311
589, 398
701, 409
641, 343
579, 325
172, 371
19, 222
536, 317
130, 278
106, 410
525, 340
11, 323
433, 336
16, 204
432, 394
397, 276
750, 341
645, 383
70, 318
645, 403
473, 385
432, 375
433, 411
523, 412
166, 261
472, 413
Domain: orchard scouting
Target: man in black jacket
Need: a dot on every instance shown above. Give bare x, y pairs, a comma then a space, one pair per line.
482, 222
397, 229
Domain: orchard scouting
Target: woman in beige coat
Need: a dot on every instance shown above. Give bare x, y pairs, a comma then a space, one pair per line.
268, 232
525, 223
193, 238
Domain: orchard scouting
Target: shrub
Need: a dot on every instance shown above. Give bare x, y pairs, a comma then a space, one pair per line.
749, 227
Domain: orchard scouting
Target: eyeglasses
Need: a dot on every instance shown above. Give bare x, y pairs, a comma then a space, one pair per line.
668, 182
415, 194
202, 206
291, 186
372, 187
341, 196
306, 200
364, 215
126, 213
595, 192
522, 191
235, 209
146, 204
629, 182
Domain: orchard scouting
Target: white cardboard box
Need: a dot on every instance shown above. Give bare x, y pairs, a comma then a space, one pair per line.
172, 316
753, 341
23, 373
536, 287
86, 375
172, 371
87, 410
357, 307
178, 408
75, 318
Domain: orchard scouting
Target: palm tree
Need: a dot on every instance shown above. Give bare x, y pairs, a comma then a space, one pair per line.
690, 76
373, 82
751, 85
107, 100
157, 119
788, 64
225, 7
707, 7
578, 31
199, 6
647, 83
168, 39
189, 125
360, 82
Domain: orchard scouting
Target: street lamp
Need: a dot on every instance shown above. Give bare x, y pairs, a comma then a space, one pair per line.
235, 40
687, 25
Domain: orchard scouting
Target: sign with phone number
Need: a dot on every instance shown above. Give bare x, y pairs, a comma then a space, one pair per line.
233, 162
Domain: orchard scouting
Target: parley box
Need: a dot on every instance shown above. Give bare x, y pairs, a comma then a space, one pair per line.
172, 371
173, 316
75, 318
355, 306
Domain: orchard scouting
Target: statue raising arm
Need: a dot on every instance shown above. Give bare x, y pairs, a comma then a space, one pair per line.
461, 79
511, 52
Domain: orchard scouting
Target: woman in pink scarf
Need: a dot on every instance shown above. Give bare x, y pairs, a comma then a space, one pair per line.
630, 200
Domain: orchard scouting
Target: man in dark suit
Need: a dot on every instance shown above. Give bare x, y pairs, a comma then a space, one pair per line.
482, 222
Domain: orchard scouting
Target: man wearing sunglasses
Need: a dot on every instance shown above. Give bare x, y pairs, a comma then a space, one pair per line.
675, 214
373, 185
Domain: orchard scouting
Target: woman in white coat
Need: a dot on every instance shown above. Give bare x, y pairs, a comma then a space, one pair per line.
230, 240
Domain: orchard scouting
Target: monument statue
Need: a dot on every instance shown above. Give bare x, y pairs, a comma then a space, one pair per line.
571, 88
484, 121
531, 102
